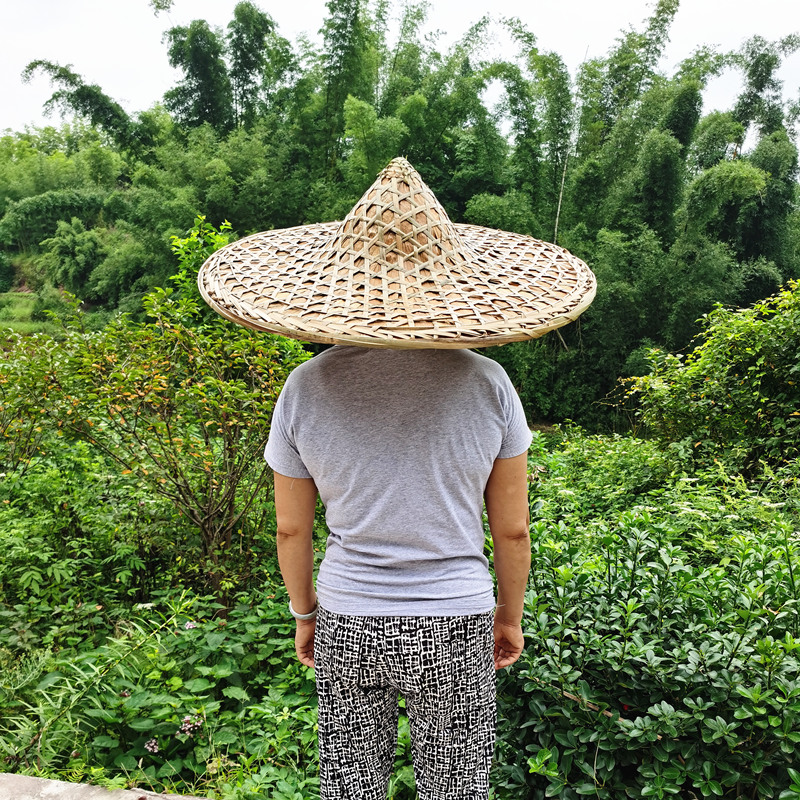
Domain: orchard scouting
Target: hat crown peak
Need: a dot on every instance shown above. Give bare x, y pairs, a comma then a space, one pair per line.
398, 222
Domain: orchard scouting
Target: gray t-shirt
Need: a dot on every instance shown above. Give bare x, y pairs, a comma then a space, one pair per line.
400, 444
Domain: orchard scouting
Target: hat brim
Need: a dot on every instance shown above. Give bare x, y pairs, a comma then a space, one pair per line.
513, 287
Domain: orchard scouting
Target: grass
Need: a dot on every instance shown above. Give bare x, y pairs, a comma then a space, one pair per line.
16, 306
15, 313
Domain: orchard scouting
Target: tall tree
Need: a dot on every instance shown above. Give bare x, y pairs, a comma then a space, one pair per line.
404, 70
375, 141
248, 32
555, 89
683, 112
718, 137
525, 161
349, 61
761, 100
607, 87
632, 64
86, 100
763, 228
654, 186
204, 95
451, 98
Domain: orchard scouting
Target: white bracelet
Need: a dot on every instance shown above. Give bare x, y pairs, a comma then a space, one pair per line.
311, 614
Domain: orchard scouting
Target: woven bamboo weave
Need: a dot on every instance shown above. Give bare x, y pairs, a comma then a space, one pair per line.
396, 272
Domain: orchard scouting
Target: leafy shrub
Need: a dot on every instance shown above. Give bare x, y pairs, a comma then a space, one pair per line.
29, 220
662, 604
662, 633
177, 697
73, 530
736, 396
6, 272
182, 402
585, 476
49, 301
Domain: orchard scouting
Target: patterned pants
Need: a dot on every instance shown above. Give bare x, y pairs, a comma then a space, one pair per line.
444, 668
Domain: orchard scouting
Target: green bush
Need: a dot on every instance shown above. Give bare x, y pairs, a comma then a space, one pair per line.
49, 301
6, 272
175, 697
662, 632
73, 530
181, 402
29, 220
661, 604
736, 396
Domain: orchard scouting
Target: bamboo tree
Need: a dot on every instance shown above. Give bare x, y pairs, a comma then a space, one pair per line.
554, 86
86, 100
761, 100
248, 32
348, 62
204, 95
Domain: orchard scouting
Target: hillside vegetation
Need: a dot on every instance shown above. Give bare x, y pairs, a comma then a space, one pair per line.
676, 207
144, 635
145, 639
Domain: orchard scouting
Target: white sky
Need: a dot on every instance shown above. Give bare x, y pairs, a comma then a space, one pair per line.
117, 43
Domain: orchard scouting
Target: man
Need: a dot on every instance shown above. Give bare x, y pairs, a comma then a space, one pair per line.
405, 435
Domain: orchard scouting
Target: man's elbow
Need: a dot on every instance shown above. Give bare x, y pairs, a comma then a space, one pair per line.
288, 532
513, 534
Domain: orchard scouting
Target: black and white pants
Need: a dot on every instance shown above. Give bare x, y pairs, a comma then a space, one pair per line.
444, 668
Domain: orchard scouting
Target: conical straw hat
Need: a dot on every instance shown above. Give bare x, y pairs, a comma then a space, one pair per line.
397, 273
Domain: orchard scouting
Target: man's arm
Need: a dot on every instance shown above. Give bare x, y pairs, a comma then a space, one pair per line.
295, 504
509, 522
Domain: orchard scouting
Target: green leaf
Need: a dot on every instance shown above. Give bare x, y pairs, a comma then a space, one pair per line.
126, 762
224, 736
236, 693
142, 724
198, 685
49, 680
169, 768
105, 741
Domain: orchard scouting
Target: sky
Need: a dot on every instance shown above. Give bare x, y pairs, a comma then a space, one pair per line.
118, 43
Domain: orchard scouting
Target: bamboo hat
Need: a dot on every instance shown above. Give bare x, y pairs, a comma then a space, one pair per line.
397, 273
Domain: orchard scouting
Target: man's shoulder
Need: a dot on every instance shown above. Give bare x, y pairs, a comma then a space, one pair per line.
486, 366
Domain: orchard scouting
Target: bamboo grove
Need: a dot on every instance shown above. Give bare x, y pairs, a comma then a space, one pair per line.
676, 207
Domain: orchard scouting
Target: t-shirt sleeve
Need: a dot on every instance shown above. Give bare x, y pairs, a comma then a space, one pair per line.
518, 436
281, 451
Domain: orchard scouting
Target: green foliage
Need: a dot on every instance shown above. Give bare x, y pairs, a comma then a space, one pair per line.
662, 633
72, 255
74, 531
49, 301
182, 404
759, 101
84, 100
248, 33
735, 397
715, 199
349, 61
706, 273
204, 95
763, 222
553, 85
655, 185
28, 221
6, 273
176, 697
683, 112
265, 133
375, 141
511, 212
718, 133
